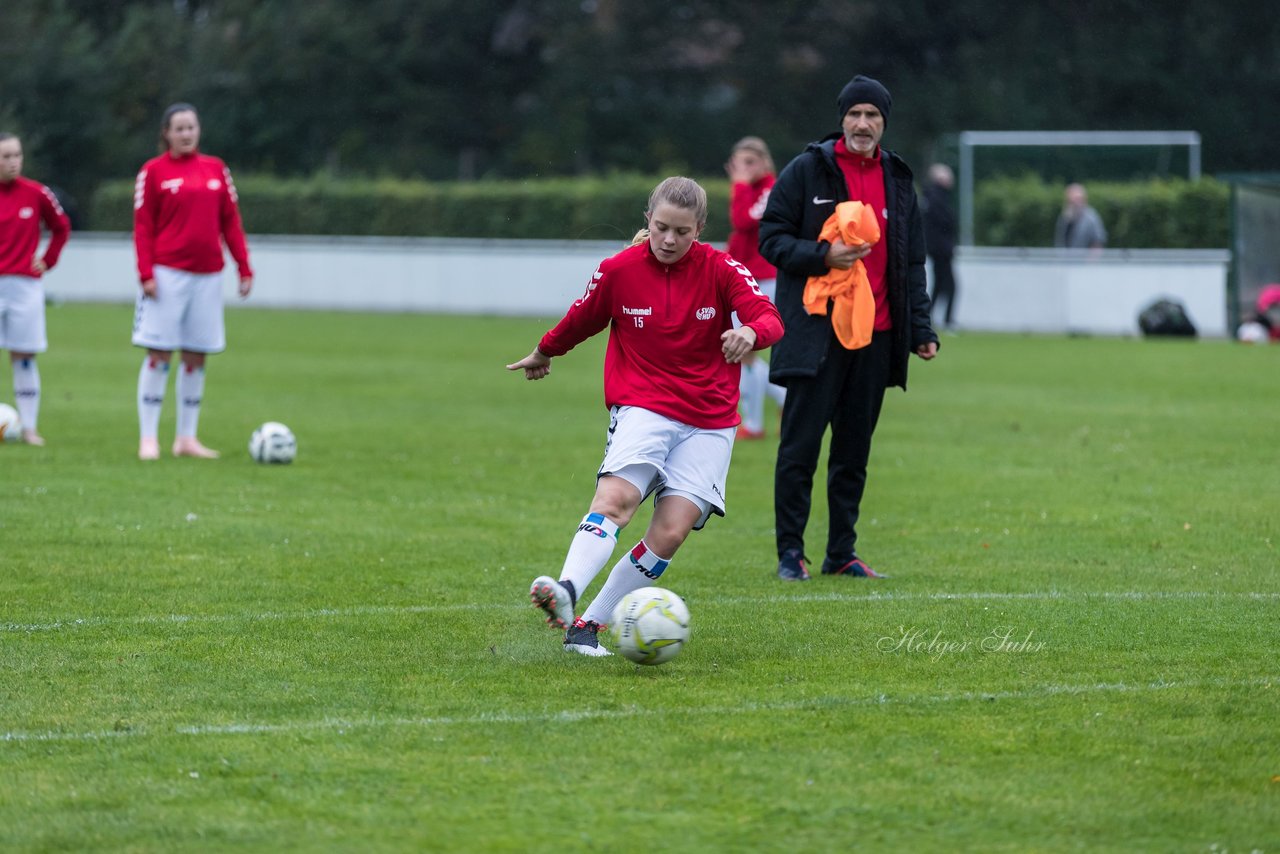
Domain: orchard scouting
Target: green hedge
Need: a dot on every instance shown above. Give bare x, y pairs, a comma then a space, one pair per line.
1007, 211
1164, 214
609, 208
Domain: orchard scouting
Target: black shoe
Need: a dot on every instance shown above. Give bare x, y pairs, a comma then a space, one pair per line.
581, 638
791, 566
853, 566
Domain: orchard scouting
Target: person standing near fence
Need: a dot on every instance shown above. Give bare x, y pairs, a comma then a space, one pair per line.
184, 209
1079, 226
940, 229
831, 382
24, 206
750, 170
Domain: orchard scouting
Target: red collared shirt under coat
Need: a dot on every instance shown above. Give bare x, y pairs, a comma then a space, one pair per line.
24, 204
183, 209
665, 322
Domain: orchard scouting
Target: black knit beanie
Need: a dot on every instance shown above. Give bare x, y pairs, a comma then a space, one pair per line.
864, 90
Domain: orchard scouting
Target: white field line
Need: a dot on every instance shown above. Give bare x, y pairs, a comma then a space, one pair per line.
342, 727
398, 610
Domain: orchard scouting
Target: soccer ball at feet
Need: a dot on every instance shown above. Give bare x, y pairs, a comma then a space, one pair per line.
10, 425
650, 625
273, 443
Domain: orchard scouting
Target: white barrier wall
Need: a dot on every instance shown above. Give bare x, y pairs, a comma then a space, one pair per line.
1007, 290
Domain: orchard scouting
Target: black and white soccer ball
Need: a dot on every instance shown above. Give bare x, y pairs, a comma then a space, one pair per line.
650, 625
273, 443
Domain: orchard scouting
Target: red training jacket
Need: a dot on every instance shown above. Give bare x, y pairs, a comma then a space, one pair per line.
665, 325
746, 206
183, 209
24, 204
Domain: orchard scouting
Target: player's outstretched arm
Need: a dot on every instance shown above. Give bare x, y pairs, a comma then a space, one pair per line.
536, 365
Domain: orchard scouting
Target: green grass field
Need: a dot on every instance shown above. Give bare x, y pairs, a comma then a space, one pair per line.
1077, 649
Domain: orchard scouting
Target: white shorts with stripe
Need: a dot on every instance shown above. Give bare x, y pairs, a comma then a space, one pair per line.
185, 314
659, 455
22, 328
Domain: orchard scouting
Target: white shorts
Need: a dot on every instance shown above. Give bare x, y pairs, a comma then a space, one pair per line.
186, 313
22, 328
659, 455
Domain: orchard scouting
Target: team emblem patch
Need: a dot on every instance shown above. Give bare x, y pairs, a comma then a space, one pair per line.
705, 313
214, 184
26, 213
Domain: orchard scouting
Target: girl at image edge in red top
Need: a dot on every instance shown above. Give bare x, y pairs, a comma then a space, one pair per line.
184, 209
24, 205
671, 384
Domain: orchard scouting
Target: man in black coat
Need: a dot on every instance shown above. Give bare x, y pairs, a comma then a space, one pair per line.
826, 383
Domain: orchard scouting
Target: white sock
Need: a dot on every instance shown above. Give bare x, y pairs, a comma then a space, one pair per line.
589, 551
26, 391
151, 384
755, 377
637, 568
190, 388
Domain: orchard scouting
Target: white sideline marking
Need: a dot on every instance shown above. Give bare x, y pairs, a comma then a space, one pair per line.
342, 726
375, 610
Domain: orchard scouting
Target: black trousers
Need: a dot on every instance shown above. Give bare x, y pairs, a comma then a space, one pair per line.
944, 285
846, 394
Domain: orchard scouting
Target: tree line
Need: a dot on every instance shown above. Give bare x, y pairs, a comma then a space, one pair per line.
469, 89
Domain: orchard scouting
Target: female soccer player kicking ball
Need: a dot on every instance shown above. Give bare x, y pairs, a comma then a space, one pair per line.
671, 373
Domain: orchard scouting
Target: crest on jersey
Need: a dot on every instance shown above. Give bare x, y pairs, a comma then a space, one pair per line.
705, 313
26, 213
214, 184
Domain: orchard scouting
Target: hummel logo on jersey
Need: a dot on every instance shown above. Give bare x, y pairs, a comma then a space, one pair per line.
171, 185
705, 313
642, 312
818, 201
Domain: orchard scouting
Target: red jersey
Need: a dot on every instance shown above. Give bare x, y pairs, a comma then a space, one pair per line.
24, 204
665, 325
184, 208
746, 207
865, 177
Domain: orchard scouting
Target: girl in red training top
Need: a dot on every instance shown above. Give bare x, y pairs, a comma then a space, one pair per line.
750, 170
671, 385
184, 209
24, 205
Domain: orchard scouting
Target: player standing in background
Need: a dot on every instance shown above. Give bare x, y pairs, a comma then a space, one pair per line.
671, 385
24, 205
750, 170
184, 208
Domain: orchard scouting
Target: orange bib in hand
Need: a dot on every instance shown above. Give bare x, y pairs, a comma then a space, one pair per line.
853, 313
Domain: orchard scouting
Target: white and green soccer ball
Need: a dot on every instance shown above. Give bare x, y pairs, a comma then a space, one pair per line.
273, 443
650, 625
10, 424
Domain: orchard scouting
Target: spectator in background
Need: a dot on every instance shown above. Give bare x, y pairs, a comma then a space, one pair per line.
750, 170
24, 205
940, 232
1079, 226
185, 209
828, 383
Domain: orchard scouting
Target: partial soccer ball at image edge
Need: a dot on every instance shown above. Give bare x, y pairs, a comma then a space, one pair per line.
650, 625
273, 443
10, 424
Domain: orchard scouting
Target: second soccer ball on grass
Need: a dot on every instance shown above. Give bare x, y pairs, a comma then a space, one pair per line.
273, 443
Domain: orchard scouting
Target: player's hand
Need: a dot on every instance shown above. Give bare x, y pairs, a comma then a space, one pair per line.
840, 255
536, 365
927, 351
149, 288
38, 266
737, 343
246, 285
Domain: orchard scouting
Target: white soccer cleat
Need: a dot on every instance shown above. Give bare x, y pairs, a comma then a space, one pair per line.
148, 449
189, 446
554, 599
